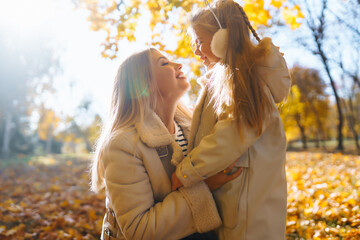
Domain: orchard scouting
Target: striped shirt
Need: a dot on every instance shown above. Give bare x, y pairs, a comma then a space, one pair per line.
180, 138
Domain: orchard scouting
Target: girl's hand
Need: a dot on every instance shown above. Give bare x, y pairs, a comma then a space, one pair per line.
278, 48
175, 182
216, 181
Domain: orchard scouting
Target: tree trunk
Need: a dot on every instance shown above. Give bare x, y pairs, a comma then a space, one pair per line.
302, 132
340, 146
49, 140
318, 32
320, 136
6, 139
351, 122
317, 140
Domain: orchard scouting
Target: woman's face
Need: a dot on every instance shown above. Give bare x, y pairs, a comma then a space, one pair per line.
171, 81
203, 50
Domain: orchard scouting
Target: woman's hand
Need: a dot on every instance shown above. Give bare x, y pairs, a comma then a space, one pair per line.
216, 181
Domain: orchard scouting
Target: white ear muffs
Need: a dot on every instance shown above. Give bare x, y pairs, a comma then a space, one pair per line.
219, 43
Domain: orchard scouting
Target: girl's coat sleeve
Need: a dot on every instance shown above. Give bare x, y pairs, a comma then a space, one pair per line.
216, 151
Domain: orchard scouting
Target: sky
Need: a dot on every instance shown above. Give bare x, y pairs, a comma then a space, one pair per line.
85, 74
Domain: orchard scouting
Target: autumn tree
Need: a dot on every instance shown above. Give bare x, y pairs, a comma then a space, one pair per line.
47, 126
307, 107
348, 59
119, 19
295, 113
331, 33
81, 128
312, 93
25, 67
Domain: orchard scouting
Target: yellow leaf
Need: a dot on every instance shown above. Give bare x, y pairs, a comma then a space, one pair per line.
92, 214
276, 3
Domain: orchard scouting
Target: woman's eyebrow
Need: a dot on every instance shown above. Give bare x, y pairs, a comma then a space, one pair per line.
162, 58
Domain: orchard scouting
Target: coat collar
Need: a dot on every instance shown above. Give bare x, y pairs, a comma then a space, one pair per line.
154, 134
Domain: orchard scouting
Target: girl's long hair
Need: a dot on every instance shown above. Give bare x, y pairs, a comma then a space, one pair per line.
238, 92
134, 93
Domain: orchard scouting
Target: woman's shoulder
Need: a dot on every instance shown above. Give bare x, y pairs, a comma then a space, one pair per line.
122, 140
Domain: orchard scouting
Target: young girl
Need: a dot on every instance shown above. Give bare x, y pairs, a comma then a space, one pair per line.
236, 118
138, 151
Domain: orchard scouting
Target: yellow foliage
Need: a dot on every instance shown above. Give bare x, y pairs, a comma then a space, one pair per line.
277, 3
47, 124
256, 12
291, 16
327, 203
123, 17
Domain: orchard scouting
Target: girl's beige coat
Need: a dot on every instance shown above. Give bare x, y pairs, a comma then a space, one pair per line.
253, 206
138, 188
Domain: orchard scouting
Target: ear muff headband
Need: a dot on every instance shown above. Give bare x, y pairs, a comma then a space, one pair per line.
207, 4
220, 38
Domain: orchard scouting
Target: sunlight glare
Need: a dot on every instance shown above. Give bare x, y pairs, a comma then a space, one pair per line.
23, 16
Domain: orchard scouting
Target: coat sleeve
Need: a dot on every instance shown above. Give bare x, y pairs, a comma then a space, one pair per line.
218, 150
129, 190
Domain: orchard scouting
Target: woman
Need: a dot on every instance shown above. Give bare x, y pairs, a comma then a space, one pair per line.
137, 154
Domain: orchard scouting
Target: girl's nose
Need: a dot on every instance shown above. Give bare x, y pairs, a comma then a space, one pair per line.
197, 51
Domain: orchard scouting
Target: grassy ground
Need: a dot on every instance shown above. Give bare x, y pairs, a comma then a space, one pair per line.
330, 146
49, 198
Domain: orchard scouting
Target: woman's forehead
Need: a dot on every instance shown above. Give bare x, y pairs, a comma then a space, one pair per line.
156, 55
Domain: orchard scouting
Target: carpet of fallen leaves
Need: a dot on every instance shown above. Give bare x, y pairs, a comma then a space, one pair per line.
323, 196
49, 198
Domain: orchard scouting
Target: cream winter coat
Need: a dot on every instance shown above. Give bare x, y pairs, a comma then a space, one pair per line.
138, 189
252, 206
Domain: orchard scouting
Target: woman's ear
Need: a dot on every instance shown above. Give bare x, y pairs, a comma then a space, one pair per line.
219, 43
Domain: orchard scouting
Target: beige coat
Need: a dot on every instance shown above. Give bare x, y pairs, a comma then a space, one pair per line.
253, 206
139, 201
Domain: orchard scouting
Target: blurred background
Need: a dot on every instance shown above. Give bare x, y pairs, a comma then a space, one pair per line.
58, 59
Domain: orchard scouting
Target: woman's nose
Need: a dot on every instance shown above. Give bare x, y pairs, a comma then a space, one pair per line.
178, 66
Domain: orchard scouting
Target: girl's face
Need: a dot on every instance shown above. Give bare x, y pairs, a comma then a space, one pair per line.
170, 80
203, 50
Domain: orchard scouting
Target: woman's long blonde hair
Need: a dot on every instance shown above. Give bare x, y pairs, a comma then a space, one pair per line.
238, 91
134, 93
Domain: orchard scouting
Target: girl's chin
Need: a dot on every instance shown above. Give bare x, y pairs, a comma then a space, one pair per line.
209, 65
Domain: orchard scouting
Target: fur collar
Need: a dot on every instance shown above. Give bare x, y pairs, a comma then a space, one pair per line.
203, 80
154, 134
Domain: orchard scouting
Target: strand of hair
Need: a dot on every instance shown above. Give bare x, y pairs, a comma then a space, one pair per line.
246, 19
